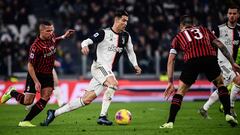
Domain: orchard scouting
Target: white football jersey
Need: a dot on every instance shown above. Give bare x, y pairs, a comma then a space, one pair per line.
110, 46
230, 38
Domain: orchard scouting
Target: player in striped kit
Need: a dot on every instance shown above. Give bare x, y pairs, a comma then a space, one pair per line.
110, 45
199, 47
40, 78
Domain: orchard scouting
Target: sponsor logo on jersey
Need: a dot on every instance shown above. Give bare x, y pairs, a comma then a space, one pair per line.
52, 51
115, 49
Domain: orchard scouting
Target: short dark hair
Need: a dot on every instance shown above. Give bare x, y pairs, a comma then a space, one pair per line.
234, 6
45, 22
120, 13
186, 20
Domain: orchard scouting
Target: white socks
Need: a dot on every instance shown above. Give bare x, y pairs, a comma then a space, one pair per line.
58, 95
107, 99
233, 95
73, 105
212, 99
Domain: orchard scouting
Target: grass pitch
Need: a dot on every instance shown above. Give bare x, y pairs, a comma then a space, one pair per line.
147, 117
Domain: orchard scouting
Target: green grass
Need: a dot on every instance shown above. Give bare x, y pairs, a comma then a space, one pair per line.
147, 117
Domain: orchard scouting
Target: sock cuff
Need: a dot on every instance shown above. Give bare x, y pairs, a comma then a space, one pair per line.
177, 99
113, 87
222, 91
178, 96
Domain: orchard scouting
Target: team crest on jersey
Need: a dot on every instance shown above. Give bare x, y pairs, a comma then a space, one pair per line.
31, 55
96, 34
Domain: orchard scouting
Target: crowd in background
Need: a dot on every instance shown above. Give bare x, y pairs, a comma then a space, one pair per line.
152, 24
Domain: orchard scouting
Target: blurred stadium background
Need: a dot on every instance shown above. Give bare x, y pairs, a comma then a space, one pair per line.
152, 24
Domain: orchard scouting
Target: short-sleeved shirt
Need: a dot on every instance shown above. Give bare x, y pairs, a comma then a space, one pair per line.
195, 42
42, 55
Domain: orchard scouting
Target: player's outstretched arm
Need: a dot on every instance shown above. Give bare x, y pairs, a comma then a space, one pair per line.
170, 69
67, 34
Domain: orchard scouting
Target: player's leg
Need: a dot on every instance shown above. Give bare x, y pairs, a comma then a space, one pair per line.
233, 95
93, 90
40, 104
46, 82
224, 98
187, 78
176, 104
111, 84
212, 99
57, 90
24, 99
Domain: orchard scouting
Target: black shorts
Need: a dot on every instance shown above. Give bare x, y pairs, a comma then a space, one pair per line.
207, 65
46, 80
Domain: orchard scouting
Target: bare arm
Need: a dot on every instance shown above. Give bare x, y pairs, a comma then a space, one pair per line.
34, 77
170, 69
132, 56
67, 34
170, 66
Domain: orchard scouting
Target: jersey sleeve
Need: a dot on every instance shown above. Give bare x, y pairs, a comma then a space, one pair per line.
175, 46
33, 54
130, 51
98, 36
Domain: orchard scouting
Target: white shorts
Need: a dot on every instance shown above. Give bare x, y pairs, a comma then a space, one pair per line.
227, 71
100, 73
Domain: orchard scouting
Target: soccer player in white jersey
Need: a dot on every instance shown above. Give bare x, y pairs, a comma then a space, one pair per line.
110, 44
229, 34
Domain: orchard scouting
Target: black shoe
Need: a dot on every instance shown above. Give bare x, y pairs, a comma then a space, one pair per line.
102, 120
49, 119
204, 113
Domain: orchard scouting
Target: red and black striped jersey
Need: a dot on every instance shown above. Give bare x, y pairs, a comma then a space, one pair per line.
195, 42
42, 55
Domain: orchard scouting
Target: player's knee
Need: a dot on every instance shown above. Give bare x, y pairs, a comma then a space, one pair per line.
114, 84
28, 102
237, 80
87, 101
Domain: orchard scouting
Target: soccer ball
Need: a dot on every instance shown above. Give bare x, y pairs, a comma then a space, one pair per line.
123, 117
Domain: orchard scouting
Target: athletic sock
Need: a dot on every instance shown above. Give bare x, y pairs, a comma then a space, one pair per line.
107, 99
233, 95
224, 98
58, 95
175, 107
18, 96
212, 99
36, 109
73, 105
